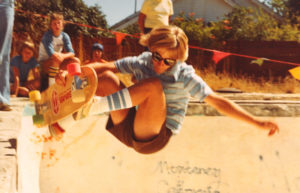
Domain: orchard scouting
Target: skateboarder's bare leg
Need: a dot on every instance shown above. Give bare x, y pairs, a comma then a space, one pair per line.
151, 113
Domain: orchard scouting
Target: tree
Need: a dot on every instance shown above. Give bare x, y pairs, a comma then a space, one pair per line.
279, 6
27, 20
289, 10
240, 24
293, 6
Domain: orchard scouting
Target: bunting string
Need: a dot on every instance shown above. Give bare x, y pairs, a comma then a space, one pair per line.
217, 55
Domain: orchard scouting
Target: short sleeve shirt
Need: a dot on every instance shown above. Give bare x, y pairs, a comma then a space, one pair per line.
24, 68
179, 84
51, 44
157, 12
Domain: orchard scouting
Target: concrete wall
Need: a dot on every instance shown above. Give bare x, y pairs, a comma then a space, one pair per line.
211, 155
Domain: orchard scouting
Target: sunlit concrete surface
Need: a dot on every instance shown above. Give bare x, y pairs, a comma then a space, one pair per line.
210, 155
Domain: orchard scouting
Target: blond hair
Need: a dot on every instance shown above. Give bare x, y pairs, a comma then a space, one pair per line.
56, 16
27, 44
171, 38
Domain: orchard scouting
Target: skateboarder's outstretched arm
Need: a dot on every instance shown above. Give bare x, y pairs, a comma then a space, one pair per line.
231, 109
101, 67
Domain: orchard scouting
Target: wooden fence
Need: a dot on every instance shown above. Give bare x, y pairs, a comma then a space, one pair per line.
200, 59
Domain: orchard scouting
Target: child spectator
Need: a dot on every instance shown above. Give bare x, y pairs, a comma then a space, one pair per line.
97, 53
24, 71
51, 55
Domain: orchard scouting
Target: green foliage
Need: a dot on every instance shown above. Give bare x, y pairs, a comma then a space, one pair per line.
279, 6
194, 28
131, 29
293, 6
240, 24
74, 11
289, 10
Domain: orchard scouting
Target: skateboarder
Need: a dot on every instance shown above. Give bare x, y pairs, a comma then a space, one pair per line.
146, 115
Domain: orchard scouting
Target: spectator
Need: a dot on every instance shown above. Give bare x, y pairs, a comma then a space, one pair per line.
24, 71
97, 54
51, 55
6, 27
155, 13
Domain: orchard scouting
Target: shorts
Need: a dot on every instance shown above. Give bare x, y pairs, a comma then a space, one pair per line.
124, 132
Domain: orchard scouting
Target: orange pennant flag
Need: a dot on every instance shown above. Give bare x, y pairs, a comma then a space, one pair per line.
218, 55
295, 72
119, 37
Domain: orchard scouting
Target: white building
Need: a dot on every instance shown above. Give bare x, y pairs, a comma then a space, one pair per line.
208, 10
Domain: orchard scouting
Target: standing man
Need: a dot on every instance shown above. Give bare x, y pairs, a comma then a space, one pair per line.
6, 28
155, 13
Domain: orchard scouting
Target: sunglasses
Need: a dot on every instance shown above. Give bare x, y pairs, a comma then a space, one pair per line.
157, 57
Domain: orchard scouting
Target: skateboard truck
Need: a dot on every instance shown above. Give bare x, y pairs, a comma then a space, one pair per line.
35, 96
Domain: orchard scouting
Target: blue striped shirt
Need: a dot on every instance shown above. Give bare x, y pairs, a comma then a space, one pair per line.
51, 44
179, 84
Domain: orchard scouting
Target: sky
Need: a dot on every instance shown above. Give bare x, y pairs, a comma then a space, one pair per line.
116, 10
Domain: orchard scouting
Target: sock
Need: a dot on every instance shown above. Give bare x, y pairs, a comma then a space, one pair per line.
116, 101
51, 81
52, 73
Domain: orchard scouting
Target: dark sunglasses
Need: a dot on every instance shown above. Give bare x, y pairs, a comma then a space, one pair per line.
157, 57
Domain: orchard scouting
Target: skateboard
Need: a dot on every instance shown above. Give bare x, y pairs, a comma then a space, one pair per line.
59, 101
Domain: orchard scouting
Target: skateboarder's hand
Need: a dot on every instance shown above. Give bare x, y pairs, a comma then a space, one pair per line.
61, 77
269, 125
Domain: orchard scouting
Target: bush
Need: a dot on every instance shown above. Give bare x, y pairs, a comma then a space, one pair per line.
28, 21
240, 24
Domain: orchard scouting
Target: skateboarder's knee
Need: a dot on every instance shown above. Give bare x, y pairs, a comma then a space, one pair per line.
108, 77
108, 83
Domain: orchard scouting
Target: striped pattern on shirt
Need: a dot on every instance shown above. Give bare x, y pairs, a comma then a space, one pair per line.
179, 84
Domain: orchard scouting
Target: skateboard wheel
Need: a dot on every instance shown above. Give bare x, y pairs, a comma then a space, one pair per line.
34, 95
38, 119
74, 69
52, 131
78, 96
